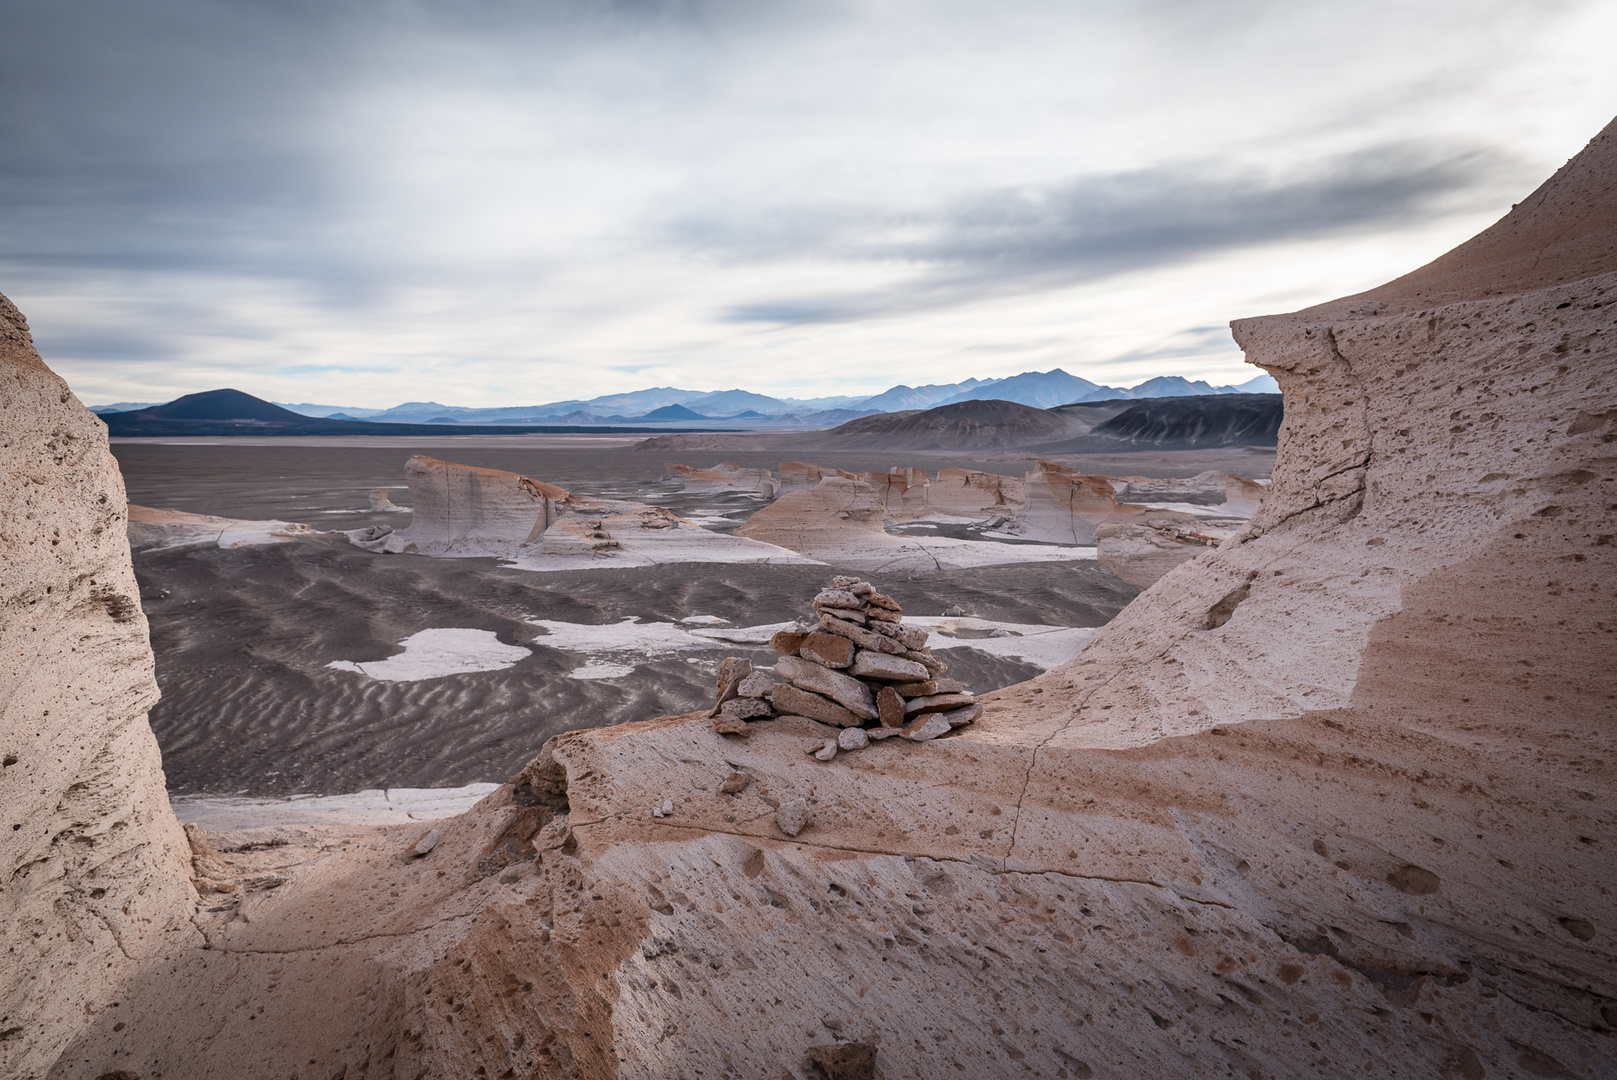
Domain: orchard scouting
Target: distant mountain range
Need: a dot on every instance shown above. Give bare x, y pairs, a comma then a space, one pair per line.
667, 404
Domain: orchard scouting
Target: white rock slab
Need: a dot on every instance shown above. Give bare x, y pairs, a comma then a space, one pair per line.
371, 807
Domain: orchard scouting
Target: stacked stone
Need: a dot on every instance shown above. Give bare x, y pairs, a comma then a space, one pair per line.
860, 668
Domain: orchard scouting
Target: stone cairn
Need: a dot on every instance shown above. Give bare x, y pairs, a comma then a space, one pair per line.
862, 670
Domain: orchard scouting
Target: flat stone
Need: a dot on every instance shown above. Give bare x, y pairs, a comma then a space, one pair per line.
865, 639
725, 724
891, 706
930, 687
799, 702
757, 684
937, 703
877, 614
745, 708
735, 783
827, 650
853, 739
925, 728
911, 637
786, 642
838, 598
877, 734
882, 600
925, 658
886, 666
965, 715
845, 690
426, 843
843, 581
847, 614
731, 672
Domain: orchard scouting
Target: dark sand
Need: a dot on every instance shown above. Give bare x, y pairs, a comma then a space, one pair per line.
249, 706
243, 637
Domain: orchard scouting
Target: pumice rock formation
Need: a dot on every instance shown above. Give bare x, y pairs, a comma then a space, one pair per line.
1334, 798
94, 870
465, 510
720, 478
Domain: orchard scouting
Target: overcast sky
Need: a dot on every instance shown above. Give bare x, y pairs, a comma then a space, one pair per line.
502, 202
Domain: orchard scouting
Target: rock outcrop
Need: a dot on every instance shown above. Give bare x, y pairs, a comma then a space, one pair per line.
968, 493
795, 475
94, 870
153, 528
466, 510
721, 478
841, 521
1334, 797
1062, 506
1141, 552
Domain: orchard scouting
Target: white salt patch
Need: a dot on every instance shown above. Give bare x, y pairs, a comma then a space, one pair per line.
747, 635
598, 670
432, 654
629, 636
371, 807
1033, 643
703, 620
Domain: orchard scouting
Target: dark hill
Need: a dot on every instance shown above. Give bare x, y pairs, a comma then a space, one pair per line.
230, 412
1207, 420
674, 412
964, 425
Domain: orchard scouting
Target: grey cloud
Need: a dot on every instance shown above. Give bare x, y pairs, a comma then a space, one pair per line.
1020, 239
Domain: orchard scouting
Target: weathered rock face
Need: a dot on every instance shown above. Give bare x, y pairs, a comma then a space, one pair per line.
835, 515
795, 475
972, 494
94, 870
465, 510
1141, 552
904, 490
1062, 506
721, 478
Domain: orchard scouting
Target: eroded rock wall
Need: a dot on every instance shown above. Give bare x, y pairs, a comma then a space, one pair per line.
94, 870
471, 511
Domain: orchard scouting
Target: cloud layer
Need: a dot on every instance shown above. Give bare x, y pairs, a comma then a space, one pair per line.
493, 202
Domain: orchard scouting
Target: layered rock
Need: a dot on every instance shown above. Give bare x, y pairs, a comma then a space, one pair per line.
469, 511
1142, 551
841, 521
721, 478
969, 493
1062, 506
904, 491
94, 870
795, 475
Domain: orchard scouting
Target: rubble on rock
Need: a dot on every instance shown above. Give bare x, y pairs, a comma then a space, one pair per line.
863, 669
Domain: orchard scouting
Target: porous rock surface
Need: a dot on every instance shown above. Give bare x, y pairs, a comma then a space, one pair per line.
1334, 798
94, 870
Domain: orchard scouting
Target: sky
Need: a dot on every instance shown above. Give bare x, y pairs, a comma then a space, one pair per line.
493, 202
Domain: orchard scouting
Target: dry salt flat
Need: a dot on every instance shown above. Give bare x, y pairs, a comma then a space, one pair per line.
431, 654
